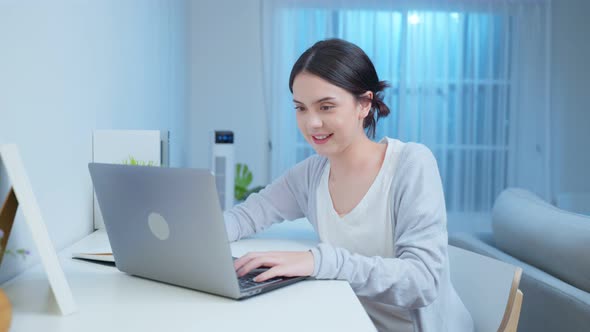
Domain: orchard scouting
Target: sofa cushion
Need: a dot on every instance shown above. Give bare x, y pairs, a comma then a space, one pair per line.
544, 236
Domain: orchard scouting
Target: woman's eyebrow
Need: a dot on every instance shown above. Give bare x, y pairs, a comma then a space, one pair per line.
317, 101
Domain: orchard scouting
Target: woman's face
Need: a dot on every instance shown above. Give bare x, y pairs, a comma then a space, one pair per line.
329, 117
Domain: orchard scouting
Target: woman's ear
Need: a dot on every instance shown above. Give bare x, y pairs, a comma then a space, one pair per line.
365, 101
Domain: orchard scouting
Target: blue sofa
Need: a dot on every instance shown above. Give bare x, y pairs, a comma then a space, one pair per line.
552, 246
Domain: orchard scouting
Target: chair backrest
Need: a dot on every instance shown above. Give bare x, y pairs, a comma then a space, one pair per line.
488, 288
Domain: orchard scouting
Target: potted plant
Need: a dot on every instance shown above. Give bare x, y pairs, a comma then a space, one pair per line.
243, 180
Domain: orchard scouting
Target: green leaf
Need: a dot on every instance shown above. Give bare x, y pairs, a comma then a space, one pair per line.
243, 178
135, 162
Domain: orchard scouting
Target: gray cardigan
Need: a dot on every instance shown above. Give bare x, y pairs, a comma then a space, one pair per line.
416, 279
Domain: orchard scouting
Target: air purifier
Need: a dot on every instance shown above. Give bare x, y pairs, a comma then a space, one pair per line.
223, 166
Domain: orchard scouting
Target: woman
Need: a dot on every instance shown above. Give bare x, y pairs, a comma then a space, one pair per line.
378, 208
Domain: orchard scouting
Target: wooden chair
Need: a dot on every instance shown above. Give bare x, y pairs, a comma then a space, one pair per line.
488, 288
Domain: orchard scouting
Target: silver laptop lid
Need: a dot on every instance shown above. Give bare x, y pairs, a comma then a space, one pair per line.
166, 224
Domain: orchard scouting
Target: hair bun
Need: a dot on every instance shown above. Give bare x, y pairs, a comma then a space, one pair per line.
381, 85
381, 109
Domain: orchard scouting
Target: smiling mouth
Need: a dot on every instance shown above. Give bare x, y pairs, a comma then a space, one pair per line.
321, 139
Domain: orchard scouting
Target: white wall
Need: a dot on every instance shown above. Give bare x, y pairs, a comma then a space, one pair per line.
226, 82
570, 97
69, 67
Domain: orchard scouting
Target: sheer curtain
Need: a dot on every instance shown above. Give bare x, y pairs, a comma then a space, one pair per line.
469, 80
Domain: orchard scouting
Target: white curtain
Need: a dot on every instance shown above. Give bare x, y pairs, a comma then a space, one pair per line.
469, 80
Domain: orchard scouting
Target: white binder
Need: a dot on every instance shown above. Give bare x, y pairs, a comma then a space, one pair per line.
148, 147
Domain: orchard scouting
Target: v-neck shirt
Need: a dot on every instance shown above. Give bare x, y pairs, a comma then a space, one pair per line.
366, 230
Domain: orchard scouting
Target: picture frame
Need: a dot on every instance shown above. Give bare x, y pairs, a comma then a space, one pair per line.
21, 195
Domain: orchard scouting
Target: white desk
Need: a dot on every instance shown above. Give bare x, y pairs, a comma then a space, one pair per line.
109, 300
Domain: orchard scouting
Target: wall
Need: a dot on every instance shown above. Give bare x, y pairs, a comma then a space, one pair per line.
69, 67
570, 100
226, 82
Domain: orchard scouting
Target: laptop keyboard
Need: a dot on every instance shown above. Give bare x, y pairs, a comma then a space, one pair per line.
247, 281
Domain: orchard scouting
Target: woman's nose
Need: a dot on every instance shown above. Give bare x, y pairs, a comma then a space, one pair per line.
314, 121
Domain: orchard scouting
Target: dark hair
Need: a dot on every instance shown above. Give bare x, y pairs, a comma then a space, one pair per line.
347, 66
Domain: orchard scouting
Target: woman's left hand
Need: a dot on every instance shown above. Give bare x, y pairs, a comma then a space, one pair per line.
281, 263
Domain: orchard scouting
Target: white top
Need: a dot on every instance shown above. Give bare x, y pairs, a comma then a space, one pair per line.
366, 230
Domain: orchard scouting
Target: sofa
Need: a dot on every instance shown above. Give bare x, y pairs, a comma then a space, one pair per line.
552, 246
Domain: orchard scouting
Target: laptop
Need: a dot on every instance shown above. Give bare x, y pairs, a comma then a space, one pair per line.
166, 224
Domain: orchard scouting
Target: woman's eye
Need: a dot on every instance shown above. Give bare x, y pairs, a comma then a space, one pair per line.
299, 108
326, 107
